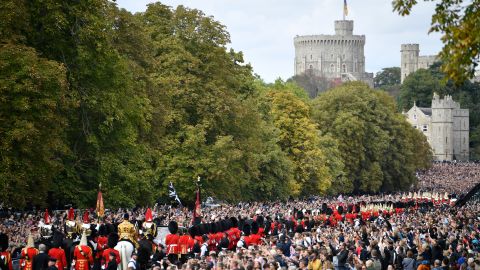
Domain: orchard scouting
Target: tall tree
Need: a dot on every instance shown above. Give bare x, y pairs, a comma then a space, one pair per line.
33, 101
387, 77
375, 142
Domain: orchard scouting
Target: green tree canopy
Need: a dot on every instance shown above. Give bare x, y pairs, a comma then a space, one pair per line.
375, 142
387, 77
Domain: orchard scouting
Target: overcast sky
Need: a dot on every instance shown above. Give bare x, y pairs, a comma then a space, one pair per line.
264, 29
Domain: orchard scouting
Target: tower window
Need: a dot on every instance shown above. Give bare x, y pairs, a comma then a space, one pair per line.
311, 56
415, 116
344, 68
332, 68
425, 128
311, 67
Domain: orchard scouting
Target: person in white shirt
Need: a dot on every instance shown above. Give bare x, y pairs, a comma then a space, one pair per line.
132, 264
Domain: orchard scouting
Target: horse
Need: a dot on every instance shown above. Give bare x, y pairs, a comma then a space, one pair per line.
125, 248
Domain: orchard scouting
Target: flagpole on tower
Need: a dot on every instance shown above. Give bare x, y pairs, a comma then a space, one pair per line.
345, 9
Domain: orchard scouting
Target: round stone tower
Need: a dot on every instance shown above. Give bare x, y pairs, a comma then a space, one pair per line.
409, 59
332, 56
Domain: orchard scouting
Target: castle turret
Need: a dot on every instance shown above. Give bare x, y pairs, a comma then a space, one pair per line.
409, 59
344, 28
442, 127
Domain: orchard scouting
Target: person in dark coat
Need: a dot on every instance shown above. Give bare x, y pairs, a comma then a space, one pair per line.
112, 264
52, 263
40, 261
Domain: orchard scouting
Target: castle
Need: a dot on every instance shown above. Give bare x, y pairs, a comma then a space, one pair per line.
338, 57
446, 127
411, 60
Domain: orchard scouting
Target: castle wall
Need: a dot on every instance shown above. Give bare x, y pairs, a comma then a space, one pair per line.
461, 134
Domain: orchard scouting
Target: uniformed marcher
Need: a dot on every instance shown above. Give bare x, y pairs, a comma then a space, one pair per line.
82, 255
27, 254
126, 231
5, 256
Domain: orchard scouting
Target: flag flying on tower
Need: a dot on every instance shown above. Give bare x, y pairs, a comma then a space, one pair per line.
173, 194
345, 9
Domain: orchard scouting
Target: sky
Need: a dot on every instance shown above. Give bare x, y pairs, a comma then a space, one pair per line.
264, 29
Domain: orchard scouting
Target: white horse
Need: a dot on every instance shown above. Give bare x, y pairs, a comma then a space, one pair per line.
125, 248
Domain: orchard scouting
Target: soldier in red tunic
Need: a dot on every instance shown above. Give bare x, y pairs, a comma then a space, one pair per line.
111, 243
6, 257
255, 239
82, 254
171, 241
183, 246
233, 234
101, 246
58, 253
28, 252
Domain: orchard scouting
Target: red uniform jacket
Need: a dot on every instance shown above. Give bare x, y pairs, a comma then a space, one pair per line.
106, 258
83, 257
212, 242
199, 239
171, 241
58, 254
26, 258
233, 236
183, 242
255, 239
101, 245
8, 259
261, 232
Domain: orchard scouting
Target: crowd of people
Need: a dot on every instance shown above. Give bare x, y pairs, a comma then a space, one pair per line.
451, 177
381, 232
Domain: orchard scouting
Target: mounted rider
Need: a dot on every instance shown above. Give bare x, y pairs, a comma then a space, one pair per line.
126, 231
72, 228
148, 226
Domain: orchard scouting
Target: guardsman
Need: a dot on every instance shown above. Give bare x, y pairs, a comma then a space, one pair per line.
101, 245
171, 241
27, 254
126, 231
183, 246
71, 226
148, 226
111, 243
58, 253
5, 256
82, 254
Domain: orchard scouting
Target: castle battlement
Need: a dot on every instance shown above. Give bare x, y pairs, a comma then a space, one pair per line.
410, 47
333, 57
411, 60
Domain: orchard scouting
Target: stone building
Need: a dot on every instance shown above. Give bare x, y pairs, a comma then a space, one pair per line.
411, 60
333, 57
446, 127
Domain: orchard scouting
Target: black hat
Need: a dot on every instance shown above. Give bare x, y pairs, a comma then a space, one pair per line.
340, 209
3, 242
234, 222
173, 227
260, 220
112, 240
255, 227
246, 229
57, 240
102, 230
126, 216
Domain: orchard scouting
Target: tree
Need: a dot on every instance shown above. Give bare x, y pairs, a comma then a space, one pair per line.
300, 140
458, 22
376, 144
387, 77
34, 98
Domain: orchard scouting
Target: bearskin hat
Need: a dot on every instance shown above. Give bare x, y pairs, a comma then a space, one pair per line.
112, 240
57, 240
102, 230
260, 220
329, 211
173, 227
299, 214
225, 226
324, 208
340, 209
255, 227
246, 229
234, 222
3, 242
192, 231
350, 208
